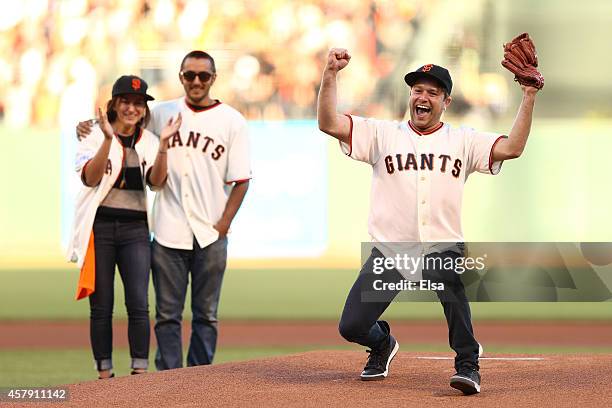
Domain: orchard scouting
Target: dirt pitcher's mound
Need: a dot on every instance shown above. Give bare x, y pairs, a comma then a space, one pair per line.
330, 378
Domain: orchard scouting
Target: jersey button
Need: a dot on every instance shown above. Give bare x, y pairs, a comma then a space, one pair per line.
423, 202
422, 178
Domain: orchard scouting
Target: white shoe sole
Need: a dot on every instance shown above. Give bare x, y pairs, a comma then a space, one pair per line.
464, 384
382, 376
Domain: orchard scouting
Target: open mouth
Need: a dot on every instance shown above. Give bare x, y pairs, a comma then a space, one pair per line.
422, 110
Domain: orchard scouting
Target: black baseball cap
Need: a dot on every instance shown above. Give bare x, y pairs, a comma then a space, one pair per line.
131, 84
431, 71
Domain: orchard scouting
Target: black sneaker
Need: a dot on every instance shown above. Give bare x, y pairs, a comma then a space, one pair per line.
467, 381
377, 367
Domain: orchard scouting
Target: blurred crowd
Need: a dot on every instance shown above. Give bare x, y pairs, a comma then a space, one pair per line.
59, 57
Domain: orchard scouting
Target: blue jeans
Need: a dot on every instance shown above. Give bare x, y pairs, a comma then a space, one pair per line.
124, 244
171, 268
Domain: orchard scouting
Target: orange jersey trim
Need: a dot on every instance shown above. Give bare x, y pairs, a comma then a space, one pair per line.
491, 153
418, 132
238, 181
350, 143
204, 108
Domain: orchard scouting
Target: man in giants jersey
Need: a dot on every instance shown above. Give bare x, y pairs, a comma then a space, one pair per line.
419, 171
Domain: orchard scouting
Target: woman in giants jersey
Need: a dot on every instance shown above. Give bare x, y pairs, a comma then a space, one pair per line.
111, 230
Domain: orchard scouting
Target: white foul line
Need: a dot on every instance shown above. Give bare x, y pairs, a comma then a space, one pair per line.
488, 358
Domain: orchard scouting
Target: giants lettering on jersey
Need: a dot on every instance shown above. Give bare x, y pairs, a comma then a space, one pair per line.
427, 161
196, 140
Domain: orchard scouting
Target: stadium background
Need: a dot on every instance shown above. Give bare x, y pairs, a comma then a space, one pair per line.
307, 208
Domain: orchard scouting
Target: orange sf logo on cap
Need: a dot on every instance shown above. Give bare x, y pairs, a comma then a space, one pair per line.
136, 84
427, 67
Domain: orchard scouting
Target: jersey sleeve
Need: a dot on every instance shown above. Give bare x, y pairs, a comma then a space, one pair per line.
152, 148
480, 152
150, 154
86, 150
239, 158
364, 140
154, 125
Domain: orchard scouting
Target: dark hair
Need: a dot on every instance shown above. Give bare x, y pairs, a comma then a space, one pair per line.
111, 113
200, 55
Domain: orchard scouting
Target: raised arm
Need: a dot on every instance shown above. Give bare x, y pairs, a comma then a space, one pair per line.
330, 121
513, 146
159, 171
94, 170
83, 129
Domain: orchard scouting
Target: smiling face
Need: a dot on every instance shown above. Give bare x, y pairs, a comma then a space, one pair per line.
427, 103
127, 111
197, 90
130, 109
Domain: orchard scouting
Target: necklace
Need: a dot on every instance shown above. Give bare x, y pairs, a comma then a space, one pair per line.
124, 162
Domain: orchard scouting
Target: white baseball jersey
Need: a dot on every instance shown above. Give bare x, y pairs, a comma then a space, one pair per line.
418, 179
90, 198
208, 154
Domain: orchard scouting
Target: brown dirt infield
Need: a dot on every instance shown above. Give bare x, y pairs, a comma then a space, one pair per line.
330, 378
75, 334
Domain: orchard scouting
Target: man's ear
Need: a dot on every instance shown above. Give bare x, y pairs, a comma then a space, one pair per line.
447, 101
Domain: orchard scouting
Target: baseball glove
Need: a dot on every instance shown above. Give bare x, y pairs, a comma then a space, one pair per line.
521, 58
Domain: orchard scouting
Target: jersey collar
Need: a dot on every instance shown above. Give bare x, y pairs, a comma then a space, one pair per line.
137, 135
202, 109
418, 132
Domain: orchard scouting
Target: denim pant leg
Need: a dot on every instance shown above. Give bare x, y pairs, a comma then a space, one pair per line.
134, 261
359, 322
101, 301
170, 269
457, 312
207, 270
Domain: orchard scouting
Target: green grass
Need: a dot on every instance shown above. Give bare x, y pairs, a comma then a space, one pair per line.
260, 295
51, 367
37, 368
